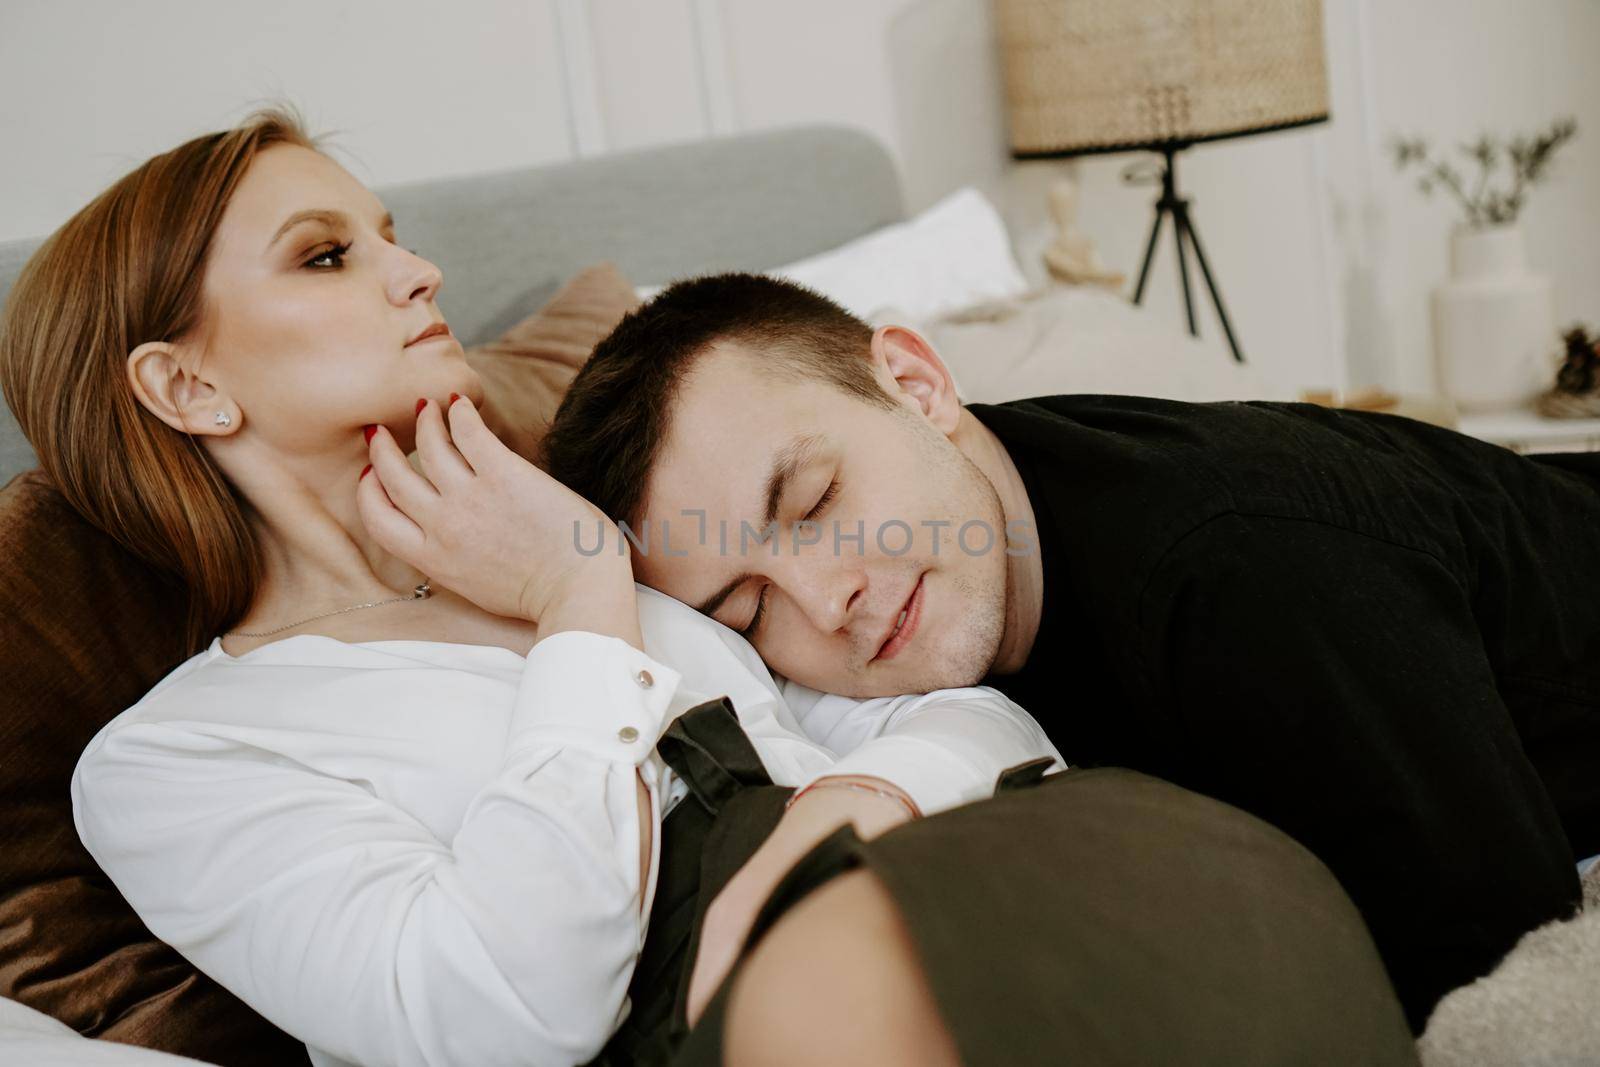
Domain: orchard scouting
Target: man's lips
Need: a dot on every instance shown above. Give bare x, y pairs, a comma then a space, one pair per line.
897, 639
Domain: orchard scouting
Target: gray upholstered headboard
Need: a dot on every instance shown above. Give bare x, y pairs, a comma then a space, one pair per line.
506, 241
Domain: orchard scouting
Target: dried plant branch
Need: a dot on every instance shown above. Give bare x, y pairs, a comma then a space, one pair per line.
1490, 203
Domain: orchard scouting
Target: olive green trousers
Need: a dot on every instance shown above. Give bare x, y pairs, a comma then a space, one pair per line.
1089, 917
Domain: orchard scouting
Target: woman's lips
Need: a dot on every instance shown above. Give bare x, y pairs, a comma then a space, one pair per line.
908, 629
438, 329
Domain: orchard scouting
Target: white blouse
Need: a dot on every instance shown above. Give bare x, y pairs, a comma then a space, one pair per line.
416, 852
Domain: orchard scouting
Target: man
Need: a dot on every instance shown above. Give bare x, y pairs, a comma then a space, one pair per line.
1381, 636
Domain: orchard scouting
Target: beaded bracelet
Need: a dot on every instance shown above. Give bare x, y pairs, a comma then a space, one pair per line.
844, 783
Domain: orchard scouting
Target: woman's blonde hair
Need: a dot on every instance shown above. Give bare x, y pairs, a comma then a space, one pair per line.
125, 270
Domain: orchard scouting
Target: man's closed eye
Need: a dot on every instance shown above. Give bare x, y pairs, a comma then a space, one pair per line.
748, 632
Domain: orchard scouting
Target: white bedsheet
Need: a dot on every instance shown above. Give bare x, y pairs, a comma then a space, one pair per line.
30, 1038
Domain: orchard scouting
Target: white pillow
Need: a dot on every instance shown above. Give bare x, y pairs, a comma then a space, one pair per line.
953, 256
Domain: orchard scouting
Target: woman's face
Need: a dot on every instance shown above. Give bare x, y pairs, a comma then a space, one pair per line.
312, 311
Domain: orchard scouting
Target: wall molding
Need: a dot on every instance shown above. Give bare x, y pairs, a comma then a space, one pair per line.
1336, 360
586, 128
717, 101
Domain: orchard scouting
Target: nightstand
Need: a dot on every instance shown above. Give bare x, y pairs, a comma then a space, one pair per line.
1522, 430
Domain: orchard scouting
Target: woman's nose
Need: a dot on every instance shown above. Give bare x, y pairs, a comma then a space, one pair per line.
415, 278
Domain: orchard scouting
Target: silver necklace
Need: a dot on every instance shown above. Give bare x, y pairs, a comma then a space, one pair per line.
421, 592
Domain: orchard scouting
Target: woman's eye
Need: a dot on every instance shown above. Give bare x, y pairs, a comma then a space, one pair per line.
328, 258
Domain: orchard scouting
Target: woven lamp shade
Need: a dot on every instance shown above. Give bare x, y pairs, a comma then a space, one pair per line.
1110, 75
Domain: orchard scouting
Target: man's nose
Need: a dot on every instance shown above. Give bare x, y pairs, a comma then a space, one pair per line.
829, 591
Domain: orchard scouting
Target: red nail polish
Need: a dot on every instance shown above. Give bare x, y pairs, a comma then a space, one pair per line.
454, 397
364, 471
368, 431
420, 405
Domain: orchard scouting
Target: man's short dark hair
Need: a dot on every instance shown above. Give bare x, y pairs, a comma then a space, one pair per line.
611, 424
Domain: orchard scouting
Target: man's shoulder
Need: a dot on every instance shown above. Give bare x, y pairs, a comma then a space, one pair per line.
1153, 419
1124, 480
1163, 434
1234, 453
1127, 456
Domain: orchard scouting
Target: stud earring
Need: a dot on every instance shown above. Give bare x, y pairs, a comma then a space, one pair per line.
224, 419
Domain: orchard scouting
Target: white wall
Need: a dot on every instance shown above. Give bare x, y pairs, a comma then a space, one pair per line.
93, 87
1323, 254
419, 90
922, 75
1504, 66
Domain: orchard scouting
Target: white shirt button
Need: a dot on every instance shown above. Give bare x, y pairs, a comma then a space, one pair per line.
627, 735
644, 679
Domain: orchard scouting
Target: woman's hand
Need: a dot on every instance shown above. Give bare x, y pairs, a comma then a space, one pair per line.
730, 916
491, 526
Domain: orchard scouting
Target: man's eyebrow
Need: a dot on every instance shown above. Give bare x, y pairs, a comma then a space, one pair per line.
786, 462
787, 459
323, 215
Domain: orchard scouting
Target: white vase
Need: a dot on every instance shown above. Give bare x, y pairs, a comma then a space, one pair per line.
1493, 322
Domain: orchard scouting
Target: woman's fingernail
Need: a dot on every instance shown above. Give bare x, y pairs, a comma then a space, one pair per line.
454, 397
365, 471
420, 405
368, 431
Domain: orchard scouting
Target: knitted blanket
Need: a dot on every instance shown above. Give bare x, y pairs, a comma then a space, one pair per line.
1539, 1008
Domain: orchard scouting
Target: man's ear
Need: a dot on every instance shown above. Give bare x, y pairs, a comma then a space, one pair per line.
912, 372
178, 397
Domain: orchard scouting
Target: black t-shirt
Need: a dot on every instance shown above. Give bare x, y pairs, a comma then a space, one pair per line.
1284, 554
1380, 636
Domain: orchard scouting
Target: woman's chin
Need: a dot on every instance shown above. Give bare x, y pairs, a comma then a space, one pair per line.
453, 376
465, 380
474, 388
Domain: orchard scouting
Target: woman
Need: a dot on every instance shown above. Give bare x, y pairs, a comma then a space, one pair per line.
444, 789
241, 330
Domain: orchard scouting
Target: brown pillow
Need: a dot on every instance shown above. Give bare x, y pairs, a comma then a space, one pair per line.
526, 373
85, 631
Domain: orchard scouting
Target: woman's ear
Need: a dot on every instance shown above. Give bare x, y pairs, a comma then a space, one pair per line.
176, 396
912, 372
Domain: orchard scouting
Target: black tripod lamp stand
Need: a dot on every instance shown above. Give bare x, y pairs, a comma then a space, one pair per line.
1094, 76
1182, 231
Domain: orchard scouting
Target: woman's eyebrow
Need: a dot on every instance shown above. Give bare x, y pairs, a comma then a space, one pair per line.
324, 215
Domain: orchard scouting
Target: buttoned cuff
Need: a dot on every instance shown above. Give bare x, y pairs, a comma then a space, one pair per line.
600, 694
930, 774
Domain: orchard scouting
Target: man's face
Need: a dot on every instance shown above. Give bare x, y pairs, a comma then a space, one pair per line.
869, 505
